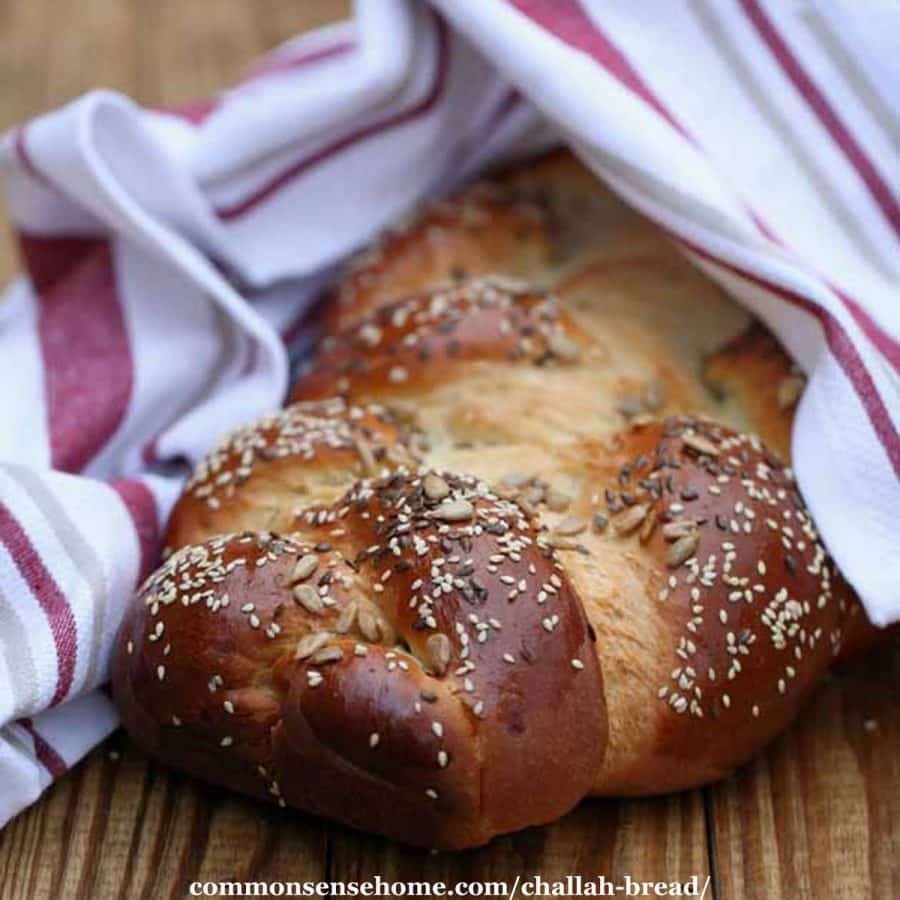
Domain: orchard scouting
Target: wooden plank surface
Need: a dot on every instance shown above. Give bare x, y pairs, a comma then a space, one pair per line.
818, 816
651, 840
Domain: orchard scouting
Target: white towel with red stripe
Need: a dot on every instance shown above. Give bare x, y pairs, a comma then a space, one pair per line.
170, 257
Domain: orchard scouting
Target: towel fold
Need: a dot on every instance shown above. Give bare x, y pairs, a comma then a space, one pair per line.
171, 257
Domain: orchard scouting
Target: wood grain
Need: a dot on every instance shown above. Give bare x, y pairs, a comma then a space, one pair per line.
126, 828
818, 816
652, 840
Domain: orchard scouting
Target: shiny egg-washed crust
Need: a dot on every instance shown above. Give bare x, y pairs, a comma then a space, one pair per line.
374, 666
335, 442
530, 222
741, 612
626, 512
412, 344
482, 230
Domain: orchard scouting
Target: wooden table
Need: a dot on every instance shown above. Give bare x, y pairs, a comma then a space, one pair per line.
816, 816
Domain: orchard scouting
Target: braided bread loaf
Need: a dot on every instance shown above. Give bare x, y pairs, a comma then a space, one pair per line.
509, 545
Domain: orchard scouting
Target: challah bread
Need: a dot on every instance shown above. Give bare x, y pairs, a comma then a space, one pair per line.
511, 391
657, 322
336, 445
370, 667
532, 223
487, 228
559, 516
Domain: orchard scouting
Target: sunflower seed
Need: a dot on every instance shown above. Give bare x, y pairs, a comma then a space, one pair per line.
562, 542
699, 444
628, 521
570, 526
648, 527
671, 531
454, 511
327, 655
305, 566
558, 501
437, 647
435, 487
683, 549
308, 598
311, 644
346, 618
629, 406
369, 626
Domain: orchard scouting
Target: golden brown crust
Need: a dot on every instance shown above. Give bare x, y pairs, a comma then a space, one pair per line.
438, 704
309, 453
410, 344
650, 753
608, 414
485, 229
745, 606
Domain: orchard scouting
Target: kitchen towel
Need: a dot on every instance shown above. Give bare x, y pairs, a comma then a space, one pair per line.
171, 256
